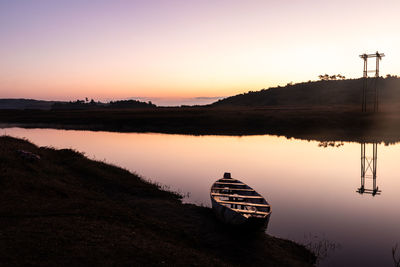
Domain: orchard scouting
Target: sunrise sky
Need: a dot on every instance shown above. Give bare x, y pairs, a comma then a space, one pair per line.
115, 49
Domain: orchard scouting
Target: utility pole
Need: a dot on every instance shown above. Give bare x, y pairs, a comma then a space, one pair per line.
369, 164
378, 57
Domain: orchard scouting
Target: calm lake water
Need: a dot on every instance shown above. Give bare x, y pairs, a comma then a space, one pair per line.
312, 189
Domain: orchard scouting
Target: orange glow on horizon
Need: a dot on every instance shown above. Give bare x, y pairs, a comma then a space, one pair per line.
124, 49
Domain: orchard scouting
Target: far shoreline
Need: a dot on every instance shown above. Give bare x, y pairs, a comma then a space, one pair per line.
306, 123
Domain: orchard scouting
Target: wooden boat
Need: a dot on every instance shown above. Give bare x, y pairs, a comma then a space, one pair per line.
236, 203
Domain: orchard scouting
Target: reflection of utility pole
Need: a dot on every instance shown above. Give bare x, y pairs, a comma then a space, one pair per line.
368, 170
368, 164
365, 57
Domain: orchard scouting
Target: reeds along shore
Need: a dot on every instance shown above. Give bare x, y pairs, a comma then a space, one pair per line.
332, 123
59, 208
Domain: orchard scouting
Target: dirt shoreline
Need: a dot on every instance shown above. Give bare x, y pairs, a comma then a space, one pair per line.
63, 209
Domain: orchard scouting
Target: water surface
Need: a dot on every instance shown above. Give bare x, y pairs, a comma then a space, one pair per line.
312, 189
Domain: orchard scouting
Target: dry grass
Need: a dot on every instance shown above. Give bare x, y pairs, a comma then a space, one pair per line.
67, 210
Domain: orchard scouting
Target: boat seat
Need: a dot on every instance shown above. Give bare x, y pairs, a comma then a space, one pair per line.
250, 212
225, 183
245, 204
236, 195
233, 189
228, 180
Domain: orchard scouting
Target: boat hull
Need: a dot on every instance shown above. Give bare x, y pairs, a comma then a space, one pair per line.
226, 215
229, 209
230, 217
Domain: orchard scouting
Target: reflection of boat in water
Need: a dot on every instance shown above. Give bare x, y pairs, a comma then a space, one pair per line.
238, 204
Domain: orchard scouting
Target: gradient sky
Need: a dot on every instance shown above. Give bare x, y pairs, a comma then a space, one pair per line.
64, 50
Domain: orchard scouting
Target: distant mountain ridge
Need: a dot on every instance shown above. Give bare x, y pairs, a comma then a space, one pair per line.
134, 102
180, 101
21, 103
324, 93
120, 104
316, 93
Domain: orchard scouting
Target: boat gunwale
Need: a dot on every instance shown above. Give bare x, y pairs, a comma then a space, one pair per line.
247, 214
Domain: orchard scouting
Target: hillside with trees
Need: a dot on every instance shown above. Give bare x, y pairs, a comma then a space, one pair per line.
326, 92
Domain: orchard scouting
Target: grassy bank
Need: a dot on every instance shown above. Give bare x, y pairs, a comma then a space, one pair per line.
332, 123
66, 210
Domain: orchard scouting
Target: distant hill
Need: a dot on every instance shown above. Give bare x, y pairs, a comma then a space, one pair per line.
121, 104
15, 103
179, 101
334, 92
21, 104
